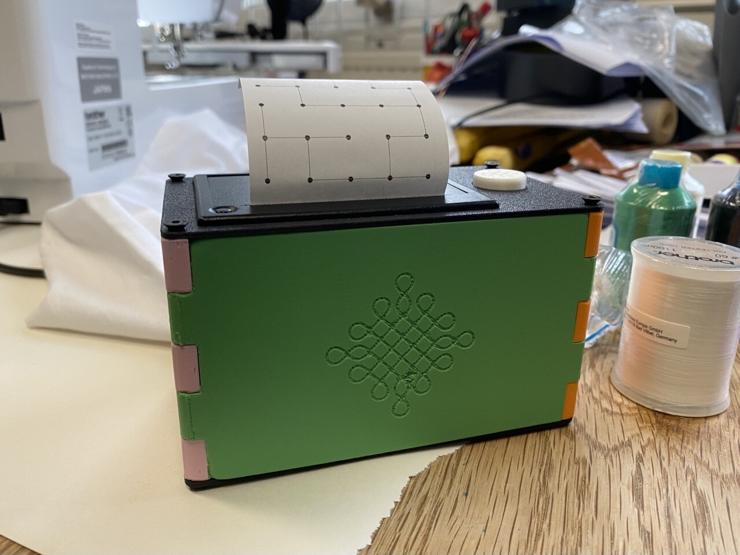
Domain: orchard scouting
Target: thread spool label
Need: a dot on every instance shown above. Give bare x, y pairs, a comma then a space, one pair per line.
698, 254
660, 331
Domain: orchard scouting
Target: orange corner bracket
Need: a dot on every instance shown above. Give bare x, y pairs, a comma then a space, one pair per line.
593, 234
569, 404
579, 328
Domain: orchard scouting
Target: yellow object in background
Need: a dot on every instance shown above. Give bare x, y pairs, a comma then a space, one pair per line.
661, 118
723, 158
471, 139
683, 157
503, 155
519, 153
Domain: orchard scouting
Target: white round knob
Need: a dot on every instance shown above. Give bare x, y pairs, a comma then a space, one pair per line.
500, 180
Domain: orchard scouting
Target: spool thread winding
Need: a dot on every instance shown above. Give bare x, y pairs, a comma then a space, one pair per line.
662, 364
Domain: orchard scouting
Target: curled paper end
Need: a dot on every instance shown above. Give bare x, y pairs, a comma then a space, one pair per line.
334, 140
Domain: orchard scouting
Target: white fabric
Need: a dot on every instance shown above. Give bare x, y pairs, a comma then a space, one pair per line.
101, 252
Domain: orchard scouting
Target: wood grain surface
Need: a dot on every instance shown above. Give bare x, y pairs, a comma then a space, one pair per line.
619, 479
8, 547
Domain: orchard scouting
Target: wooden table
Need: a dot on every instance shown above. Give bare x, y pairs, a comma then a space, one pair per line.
619, 479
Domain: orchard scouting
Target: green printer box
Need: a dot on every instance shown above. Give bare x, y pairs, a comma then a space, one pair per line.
312, 334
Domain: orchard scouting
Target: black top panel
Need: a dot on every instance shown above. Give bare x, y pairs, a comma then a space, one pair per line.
218, 205
224, 200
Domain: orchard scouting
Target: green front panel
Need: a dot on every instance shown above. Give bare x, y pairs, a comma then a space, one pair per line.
324, 346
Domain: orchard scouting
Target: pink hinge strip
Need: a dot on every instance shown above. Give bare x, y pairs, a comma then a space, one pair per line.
187, 372
194, 459
177, 275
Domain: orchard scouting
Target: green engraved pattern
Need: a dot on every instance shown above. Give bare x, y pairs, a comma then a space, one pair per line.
397, 352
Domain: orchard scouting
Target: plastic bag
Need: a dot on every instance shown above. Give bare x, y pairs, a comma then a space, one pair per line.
611, 283
676, 53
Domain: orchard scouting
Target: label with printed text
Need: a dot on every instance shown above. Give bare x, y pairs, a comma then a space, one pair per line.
93, 36
110, 135
660, 331
690, 252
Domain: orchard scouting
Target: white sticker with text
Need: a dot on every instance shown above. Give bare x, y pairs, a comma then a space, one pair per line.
94, 36
660, 331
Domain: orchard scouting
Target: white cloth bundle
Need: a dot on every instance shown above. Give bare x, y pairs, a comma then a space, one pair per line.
101, 252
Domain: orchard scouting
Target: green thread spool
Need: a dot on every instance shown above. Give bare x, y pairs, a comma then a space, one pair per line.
653, 205
724, 216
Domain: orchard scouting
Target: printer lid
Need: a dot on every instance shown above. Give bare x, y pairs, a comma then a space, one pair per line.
209, 206
224, 200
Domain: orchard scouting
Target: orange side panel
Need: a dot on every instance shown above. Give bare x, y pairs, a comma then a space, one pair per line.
569, 404
579, 329
593, 233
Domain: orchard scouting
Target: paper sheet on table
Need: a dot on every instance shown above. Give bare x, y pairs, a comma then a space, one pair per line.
619, 114
91, 460
317, 140
589, 183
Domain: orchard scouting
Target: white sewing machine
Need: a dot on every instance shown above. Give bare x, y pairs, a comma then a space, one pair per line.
77, 110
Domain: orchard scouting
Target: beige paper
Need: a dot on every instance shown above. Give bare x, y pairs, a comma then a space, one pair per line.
317, 140
90, 459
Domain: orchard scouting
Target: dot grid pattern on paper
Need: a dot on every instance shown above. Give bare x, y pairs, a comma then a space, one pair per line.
398, 352
409, 101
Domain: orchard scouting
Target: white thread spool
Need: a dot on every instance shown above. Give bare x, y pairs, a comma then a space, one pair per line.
681, 326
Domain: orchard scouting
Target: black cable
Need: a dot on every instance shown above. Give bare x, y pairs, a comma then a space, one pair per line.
490, 109
20, 270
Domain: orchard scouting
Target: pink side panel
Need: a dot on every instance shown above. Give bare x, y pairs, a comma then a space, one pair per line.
177, 275
185, 363
194, 459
